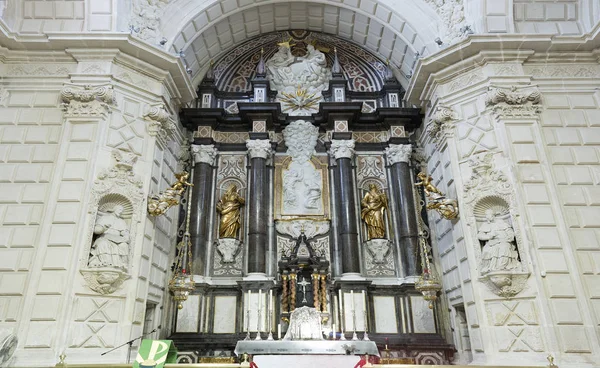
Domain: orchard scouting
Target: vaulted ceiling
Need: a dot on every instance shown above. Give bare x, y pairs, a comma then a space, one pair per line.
207, 29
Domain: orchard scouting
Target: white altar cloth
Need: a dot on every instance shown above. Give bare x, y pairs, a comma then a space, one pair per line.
306, 347
306, 361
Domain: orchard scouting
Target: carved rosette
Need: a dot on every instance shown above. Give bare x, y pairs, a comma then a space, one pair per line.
159, 122
120, 186
441, 125
513, 102
86, 101
260, 148
398, 153
342, 148
205, 153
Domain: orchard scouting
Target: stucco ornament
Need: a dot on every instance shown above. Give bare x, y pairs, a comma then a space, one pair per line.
260, 148
398, 153
115, 210
145, 20
453, 26
379, 249
159, 122
514, 102
490, 208
302, 182
287, 72
228, 248
441, 124
204, 153
342, 148
88, 100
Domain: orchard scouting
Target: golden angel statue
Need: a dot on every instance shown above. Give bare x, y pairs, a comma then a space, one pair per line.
428, 186
159, 204
373, 207
229, 207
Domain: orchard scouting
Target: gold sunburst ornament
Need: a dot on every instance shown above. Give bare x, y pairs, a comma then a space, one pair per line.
299, 101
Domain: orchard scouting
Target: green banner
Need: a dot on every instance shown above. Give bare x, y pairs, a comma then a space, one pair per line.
155, 354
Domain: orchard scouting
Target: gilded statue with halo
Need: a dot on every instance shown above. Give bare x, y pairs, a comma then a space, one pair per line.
159, 204
446, 207
373, 207
229, 208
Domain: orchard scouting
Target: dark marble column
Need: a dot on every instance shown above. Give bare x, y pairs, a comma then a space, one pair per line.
259, 151
204, 157
398, 156
342, 151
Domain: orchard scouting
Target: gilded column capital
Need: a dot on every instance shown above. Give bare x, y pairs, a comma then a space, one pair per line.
260, 148
398, 153
342, 148
205, 153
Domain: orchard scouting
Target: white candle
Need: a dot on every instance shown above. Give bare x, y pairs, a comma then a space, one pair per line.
365, 308
333, 332
259, 309
279, 331
353, 310
248, 310
270, 310
341, 307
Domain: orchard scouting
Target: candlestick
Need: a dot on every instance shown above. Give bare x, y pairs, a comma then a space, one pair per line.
342, 316
270, 311
248, 323
258, 314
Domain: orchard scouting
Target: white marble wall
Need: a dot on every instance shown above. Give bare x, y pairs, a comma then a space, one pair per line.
49, 161
549, 153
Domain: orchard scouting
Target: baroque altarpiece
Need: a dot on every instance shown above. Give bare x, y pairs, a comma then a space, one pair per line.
304, 194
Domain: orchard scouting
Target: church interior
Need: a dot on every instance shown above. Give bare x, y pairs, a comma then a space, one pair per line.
258, 183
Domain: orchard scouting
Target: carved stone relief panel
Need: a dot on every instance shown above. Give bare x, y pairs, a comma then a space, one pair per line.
320, 245
227, 258
516, 325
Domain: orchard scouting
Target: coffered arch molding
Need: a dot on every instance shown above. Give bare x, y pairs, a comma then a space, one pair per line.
208, 29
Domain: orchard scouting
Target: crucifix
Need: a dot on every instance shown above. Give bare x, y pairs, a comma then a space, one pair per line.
303, 283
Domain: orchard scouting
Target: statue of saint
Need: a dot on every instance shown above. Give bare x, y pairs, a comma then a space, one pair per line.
373, 207
229, 207
111, 247
499, 253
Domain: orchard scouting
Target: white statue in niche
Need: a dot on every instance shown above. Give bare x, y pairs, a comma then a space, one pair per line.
499, 252
111, 245
302, 182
